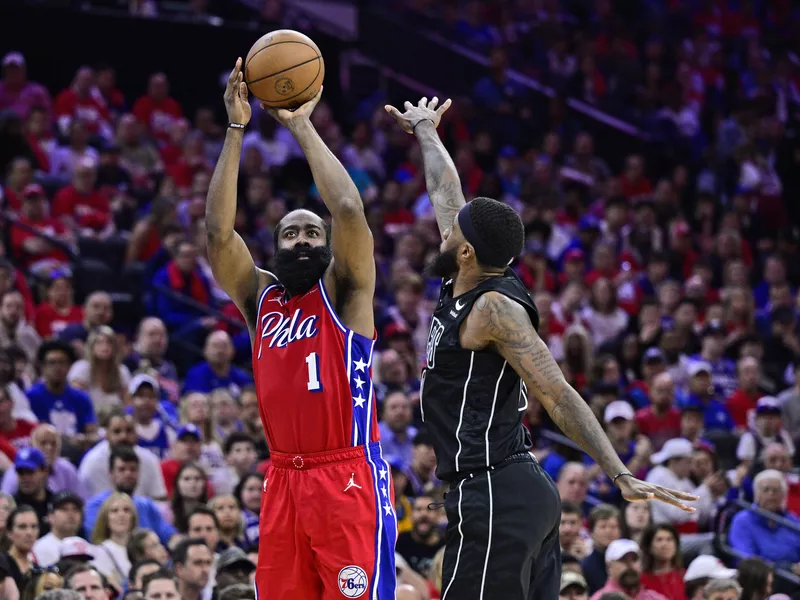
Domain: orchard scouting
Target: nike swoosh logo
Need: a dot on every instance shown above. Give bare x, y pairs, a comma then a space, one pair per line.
459, 306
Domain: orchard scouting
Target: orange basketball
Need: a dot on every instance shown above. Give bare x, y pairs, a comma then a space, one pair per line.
284, 69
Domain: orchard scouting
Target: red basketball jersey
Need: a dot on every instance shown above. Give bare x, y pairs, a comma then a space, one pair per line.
313, 375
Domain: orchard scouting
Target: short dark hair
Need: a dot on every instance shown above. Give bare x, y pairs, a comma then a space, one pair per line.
202, 510
122, 453
237, 437
603, 512
20, 510
135, 567
570, 508
162, 573
181, 551
238, 591
499, 226
55, 346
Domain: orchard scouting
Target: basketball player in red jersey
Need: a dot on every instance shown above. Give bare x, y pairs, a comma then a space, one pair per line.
327, 523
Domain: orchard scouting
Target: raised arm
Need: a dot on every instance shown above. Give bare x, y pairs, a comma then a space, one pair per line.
351, 238
505, 326
230, 260
441, 176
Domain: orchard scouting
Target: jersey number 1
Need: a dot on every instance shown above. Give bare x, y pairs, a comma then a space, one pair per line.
314, 384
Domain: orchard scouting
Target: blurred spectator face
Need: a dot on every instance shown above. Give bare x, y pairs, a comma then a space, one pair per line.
702, 464
425, 520
125, 476
251, 494
603, 295
32, 482
6, 407
627, 571
397, 412
423, 458
20, 173
89, 584
777, 457
98, 309
774, 271
275, 211
25, 530
59, 293
162, 589
569, 529
55, 365
242, 456
14, 73
84, 79
204, 120
228, 513
33, 207
120, 430
12, 309
634, 168
411, 248
37, 123
584, 145
603, 259
145, 570
48, 440
197, 408
158, 87
259, 190
691, 424
664, 546
203, 526
393, 368
780, 294
606, 531
681, 466
187, 449
637, 516
152, 340
551, 144
399, 482
128, 129
768, 424
652, 367
249, 406
572, 296
85, 176
574, 268
736, 273
770, 494
5, 510
713, 345
121, 516
572, 483
106, 79
145, 403
218, 350
186, 257
498, 60
191, 483
749, 374
103, 348
616, 217
669, 294
620, 430
408, 295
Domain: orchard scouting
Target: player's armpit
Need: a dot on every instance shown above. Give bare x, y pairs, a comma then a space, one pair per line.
508, 328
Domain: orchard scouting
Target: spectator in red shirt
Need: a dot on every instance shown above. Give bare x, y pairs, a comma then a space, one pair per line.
107, 90
157, 110
172, 149
59, 310
80, 205
742, 403
191, 162
35, 252
660, 421
635, 185
12, 279
16, 92
15, 431
20, 174
78, 102
186, 450
662, 564
39, 135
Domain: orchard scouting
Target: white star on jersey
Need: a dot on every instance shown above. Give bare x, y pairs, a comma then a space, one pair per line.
359, 382
383, 473
388, 508
385, 493
360, 365
359, 402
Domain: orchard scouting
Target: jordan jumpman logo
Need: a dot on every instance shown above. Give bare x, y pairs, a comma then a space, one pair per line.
352, 483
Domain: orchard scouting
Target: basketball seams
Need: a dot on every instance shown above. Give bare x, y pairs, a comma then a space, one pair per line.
282, 100
314, 48
287, 69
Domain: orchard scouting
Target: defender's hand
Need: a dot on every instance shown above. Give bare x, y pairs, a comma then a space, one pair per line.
236, 103
423, 111
635, 490
287, 118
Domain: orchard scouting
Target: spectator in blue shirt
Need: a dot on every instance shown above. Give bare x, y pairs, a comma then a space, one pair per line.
701, 397
217, 370
754, 535
53, 401
396, 430
723, 370
124, 471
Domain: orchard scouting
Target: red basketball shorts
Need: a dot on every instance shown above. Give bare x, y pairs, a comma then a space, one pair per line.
328, 527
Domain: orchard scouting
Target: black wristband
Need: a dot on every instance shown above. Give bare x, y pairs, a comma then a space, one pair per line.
623, 474
236, 126
414, 128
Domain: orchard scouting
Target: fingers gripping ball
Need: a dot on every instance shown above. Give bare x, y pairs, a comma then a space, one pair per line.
284, 69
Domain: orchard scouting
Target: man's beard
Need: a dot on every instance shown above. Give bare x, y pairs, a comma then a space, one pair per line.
630, 579
445, 265
125, 489
299, 269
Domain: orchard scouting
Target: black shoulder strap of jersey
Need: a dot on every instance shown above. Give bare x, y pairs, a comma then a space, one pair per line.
511, 286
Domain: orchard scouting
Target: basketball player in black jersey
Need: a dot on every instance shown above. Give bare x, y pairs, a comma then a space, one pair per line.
484, 354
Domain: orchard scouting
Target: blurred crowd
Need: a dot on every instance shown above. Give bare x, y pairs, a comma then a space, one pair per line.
667, 288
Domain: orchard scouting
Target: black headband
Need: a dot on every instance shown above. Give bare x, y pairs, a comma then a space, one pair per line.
486, 255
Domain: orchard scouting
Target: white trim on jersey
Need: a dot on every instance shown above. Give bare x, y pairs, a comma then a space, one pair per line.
491, 414
461, 540
261, 301
329, 306
463, 404
489, 543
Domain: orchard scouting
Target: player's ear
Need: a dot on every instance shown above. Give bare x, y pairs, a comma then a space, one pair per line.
467, 251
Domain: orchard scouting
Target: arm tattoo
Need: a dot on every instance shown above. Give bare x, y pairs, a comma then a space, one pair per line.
441, 177
509, 330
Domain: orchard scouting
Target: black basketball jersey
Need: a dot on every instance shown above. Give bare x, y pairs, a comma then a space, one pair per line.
472, 402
